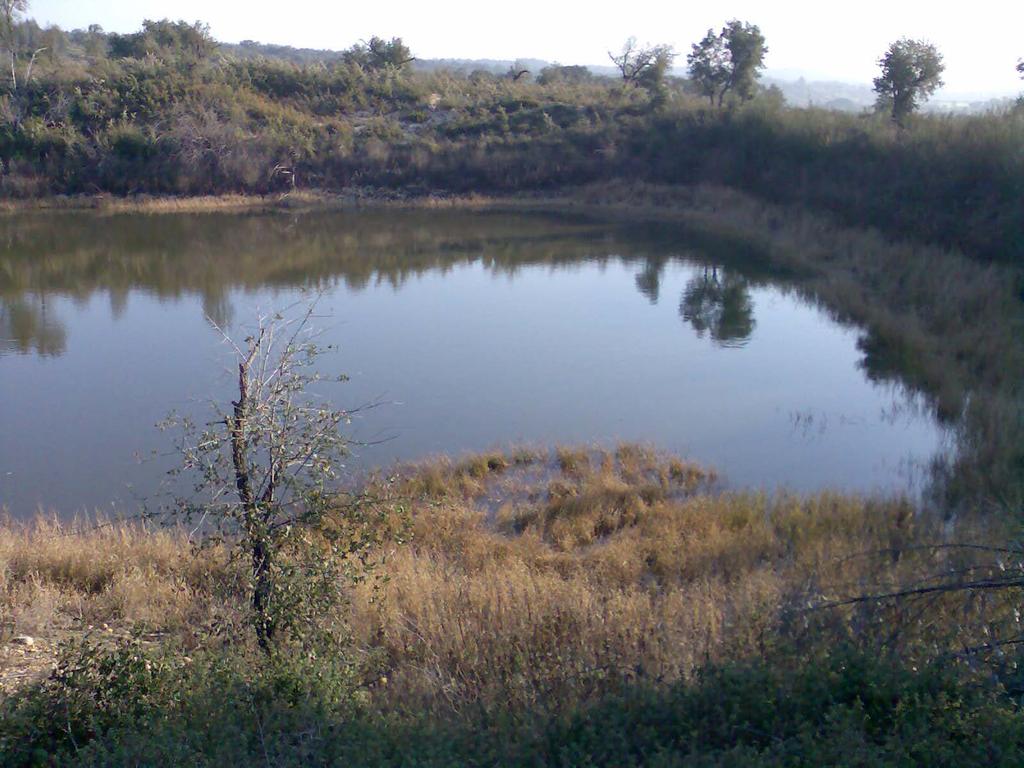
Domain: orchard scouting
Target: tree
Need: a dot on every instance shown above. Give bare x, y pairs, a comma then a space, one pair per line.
166, 39
911, 72
644, 67
267, 470
95, 42
517, 71
709, 66
720, 307
11, 12
379, 54
729, 62
747, 50
571, 74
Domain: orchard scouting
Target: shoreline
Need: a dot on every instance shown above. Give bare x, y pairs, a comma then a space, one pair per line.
312, 200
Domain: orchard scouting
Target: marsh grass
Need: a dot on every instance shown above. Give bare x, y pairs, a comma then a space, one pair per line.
630, 569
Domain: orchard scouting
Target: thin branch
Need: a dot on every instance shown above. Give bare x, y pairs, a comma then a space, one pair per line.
942, 588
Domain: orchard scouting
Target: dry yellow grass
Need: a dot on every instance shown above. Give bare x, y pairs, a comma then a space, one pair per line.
529, 578
59, 579
307, 199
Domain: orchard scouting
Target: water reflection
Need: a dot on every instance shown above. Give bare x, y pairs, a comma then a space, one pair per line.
648, 279
487, 328
212, 255
26, 326
720, 306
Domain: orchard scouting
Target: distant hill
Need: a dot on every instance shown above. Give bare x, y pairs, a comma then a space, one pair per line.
250, 49
465, 66
845, 97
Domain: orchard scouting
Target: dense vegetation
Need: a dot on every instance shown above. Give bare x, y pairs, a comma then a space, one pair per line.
164, 111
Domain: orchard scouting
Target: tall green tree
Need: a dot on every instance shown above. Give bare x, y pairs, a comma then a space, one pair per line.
729, 62
95, 42
172, 40
747, 49
709, 67
911, 72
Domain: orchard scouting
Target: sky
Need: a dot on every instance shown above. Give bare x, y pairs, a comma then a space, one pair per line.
820, 40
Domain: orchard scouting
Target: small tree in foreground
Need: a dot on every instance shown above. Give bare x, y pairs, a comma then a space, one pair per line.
267, 473
911, 72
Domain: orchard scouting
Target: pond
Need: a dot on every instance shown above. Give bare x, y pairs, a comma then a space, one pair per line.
469, 330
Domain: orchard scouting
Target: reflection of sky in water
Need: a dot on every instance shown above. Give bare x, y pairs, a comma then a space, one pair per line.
765, 388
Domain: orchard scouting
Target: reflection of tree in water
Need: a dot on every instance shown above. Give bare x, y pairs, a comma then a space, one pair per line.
217, 308
719, 304
214, 257
27, 326
648, 279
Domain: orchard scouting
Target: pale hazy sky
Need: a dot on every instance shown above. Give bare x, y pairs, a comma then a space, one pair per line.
981, 40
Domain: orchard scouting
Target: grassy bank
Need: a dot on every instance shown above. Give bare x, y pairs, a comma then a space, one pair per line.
183, 122
542, 596
298, 201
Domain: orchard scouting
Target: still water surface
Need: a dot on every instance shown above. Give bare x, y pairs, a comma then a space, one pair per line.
473, 330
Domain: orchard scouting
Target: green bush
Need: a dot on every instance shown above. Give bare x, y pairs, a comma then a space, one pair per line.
128, 706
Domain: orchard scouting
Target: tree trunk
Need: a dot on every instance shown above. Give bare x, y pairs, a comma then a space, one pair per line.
255, 530
261, 593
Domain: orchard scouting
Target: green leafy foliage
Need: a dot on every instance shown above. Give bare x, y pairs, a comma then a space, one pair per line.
380, 54
165, 39
131, 706
709, 65
911, 72
644, 66
729, 62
